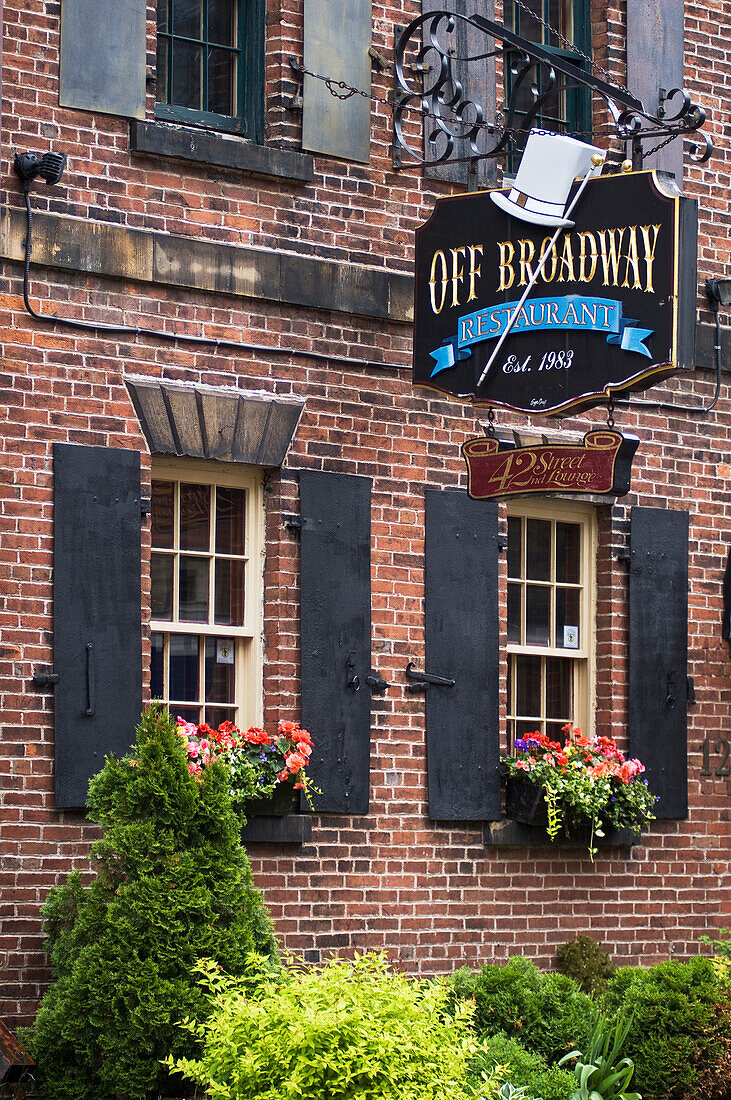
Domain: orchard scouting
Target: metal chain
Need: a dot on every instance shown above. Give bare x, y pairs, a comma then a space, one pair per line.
491, 422
610, 411
332, 85
570, 45
657, 148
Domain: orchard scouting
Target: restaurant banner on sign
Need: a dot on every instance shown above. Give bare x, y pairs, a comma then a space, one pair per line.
613, 309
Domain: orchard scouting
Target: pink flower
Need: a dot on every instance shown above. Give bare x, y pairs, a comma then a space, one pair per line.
522, 765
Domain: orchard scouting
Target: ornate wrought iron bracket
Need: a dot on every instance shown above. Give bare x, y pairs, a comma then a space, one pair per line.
428, 87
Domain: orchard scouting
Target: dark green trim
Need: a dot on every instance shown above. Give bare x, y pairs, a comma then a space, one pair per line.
208, 119
248, 118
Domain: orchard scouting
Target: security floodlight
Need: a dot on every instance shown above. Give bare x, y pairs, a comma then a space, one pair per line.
49, 166
719, 291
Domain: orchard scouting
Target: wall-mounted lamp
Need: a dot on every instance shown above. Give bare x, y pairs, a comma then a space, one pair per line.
49, 167
719, 292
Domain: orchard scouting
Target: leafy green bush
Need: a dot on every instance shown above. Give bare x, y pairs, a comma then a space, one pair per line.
172, 885
586, 961
343, 1031
721, 946
522, 1068
680, 1036
548, 1013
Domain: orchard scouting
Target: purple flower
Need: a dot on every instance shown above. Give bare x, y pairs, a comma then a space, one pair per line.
262, 756
521, 745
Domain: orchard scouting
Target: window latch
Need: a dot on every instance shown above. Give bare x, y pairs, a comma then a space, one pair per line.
353, 683
424, 679
45, 679
377, 684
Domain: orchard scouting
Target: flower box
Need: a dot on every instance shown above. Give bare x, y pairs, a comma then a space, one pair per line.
524, 802
282, 801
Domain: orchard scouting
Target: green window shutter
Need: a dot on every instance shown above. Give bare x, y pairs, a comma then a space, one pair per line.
655, 46
337, 37
103, 56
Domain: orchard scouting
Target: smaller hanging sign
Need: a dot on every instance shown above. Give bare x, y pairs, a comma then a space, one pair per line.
602, 463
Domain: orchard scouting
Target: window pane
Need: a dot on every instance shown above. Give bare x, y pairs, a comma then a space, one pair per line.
558, 688
195, 504
530, 27
163, 46
568, 559
221, 22
190, 714
537, 615
183, 667
229, 592
193, 603
216, 715
230, 520
538, 550
514, 613
186, 89
568, 609
515, 556
162, 15
187, 18
163, 496
221, 82
161, 578
220, 670
528, 686
157, 658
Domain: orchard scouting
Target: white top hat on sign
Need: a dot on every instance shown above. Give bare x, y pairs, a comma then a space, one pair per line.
548, 168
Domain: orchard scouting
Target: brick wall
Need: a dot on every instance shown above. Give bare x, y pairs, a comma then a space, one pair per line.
434, 897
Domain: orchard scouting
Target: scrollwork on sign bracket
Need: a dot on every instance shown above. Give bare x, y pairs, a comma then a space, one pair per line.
456, 128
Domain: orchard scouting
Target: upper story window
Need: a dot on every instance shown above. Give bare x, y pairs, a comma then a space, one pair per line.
207, 591
550, 618
209, 63
567, 108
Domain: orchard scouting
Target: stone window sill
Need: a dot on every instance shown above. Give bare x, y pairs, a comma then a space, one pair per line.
160, 139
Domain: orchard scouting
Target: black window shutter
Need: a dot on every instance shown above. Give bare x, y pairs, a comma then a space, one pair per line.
461, 607
97, 635
103, 56
336, 635
477, 78
658, 653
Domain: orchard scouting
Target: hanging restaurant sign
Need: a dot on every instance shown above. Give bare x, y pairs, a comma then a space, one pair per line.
600, 464
612, 310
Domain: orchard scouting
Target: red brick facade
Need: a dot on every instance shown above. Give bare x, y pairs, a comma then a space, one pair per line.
433, 895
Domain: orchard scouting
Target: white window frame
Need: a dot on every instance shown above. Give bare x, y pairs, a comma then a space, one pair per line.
584, 657
248, 638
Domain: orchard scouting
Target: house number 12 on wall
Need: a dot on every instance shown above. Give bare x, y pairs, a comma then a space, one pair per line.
721, 749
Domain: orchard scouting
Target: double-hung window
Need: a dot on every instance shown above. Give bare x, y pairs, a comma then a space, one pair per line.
207, 591
210, 63
567, 108
550, 612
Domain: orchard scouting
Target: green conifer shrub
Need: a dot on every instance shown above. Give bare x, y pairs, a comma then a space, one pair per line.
586, 961
172, 885
680, 1036
548, 1013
